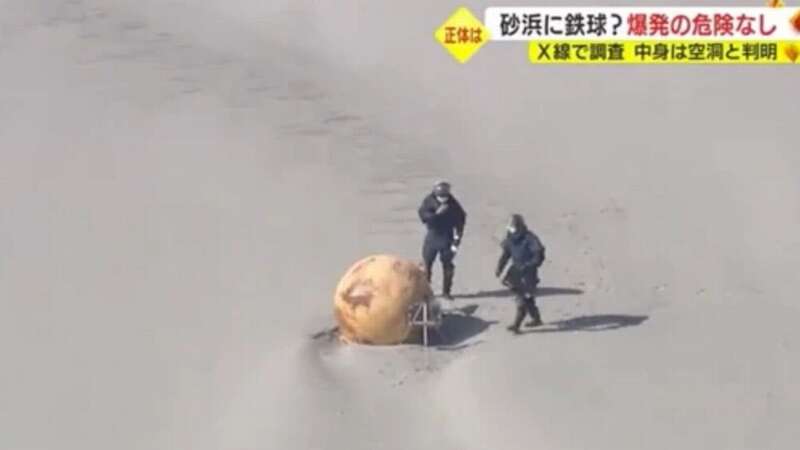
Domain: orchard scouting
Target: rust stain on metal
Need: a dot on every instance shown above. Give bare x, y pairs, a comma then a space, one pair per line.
344, 323
358, 294
358, 267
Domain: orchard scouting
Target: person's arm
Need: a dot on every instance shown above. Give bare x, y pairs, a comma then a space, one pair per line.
461, 221
501, 263
537, 250
427, 212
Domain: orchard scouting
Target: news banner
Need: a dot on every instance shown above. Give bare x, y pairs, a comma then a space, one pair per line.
632, 35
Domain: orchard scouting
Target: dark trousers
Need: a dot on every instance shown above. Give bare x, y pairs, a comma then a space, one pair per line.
523, 284
433, 247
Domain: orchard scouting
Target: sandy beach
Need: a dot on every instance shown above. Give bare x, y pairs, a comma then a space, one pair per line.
183, 183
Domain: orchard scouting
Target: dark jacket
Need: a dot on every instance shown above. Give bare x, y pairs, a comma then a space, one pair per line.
524, 249
444, 226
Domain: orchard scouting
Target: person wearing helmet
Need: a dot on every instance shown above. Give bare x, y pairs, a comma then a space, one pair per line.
526, 253
444, 218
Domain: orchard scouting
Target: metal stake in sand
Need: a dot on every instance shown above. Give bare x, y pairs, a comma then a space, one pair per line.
422, 309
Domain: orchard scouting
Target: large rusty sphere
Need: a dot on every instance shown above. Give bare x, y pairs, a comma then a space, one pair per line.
373, 299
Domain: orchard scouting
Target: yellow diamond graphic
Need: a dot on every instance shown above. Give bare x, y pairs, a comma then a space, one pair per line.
462, 34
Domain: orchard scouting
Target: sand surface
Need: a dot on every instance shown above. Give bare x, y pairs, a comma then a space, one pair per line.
182, 183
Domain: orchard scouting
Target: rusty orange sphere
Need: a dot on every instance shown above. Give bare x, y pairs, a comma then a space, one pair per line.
373, 299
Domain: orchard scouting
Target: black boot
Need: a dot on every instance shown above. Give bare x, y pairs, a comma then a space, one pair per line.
447, 283
514, 327
536, 318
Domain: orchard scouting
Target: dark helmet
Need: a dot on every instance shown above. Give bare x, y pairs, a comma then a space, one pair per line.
441, 189
516, 225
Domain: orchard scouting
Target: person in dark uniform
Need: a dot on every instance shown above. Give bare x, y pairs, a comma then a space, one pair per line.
444, 218
526, 253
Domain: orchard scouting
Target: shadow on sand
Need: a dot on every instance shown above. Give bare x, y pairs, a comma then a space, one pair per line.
458, 326
544, 291
603, 322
